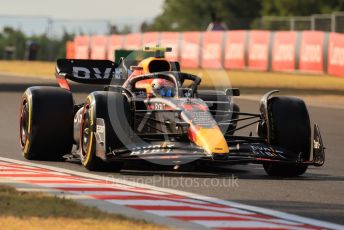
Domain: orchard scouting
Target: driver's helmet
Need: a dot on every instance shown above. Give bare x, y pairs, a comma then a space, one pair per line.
162, 88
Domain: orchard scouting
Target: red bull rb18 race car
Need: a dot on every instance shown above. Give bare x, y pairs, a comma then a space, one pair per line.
150, 111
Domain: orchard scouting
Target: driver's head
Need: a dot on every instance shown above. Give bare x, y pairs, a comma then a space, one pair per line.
162, 88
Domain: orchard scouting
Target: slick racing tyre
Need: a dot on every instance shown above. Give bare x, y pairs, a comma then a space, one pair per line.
290, 129
46, 123
96, 106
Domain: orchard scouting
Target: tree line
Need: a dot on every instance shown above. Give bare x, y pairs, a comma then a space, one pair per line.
183, 15
14, 44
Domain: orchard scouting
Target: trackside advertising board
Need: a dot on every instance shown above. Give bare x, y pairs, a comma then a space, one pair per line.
335, 62
150, 39
190, 50
115, 43
311, 52
82, 47
70, 50
99, 47
173, 40
235, 45
133, 41
283, 51
212, 50
258, 50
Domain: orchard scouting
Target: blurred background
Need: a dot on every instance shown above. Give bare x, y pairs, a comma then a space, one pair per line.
44, 27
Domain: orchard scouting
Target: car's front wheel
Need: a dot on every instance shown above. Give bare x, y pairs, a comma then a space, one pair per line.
290, 129
46, 123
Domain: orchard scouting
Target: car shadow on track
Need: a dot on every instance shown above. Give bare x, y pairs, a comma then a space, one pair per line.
247, 172
242, 175
242, 172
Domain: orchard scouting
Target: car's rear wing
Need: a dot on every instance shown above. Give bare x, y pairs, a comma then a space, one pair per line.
103, 72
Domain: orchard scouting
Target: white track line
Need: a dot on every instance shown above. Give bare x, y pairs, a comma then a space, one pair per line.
241, 224
278, 214
147, 202
105, 193
186, 213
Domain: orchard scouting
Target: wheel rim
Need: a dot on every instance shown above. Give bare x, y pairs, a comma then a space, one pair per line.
24, 123
86, 132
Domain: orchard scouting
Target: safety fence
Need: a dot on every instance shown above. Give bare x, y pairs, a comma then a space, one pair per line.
259, 50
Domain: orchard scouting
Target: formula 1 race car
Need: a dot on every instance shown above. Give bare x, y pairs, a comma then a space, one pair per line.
150, 111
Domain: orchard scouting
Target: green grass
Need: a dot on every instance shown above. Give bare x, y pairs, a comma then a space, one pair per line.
32, 210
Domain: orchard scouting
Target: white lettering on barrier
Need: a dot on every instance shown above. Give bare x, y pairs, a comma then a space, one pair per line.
283, 52
311, 53
211, 51
235, 51
258, 52
190, 51
337, 55
81, 52
98, 51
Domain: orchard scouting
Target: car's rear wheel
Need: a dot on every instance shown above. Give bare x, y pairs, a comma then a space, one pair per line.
97, 106
290, 129
46, 123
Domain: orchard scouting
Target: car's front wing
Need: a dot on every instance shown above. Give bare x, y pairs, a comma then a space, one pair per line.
240, 152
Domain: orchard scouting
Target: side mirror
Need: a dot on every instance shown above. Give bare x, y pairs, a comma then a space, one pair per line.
186, 92
232, 92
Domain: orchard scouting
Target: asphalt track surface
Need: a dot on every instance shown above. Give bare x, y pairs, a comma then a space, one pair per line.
318, 194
